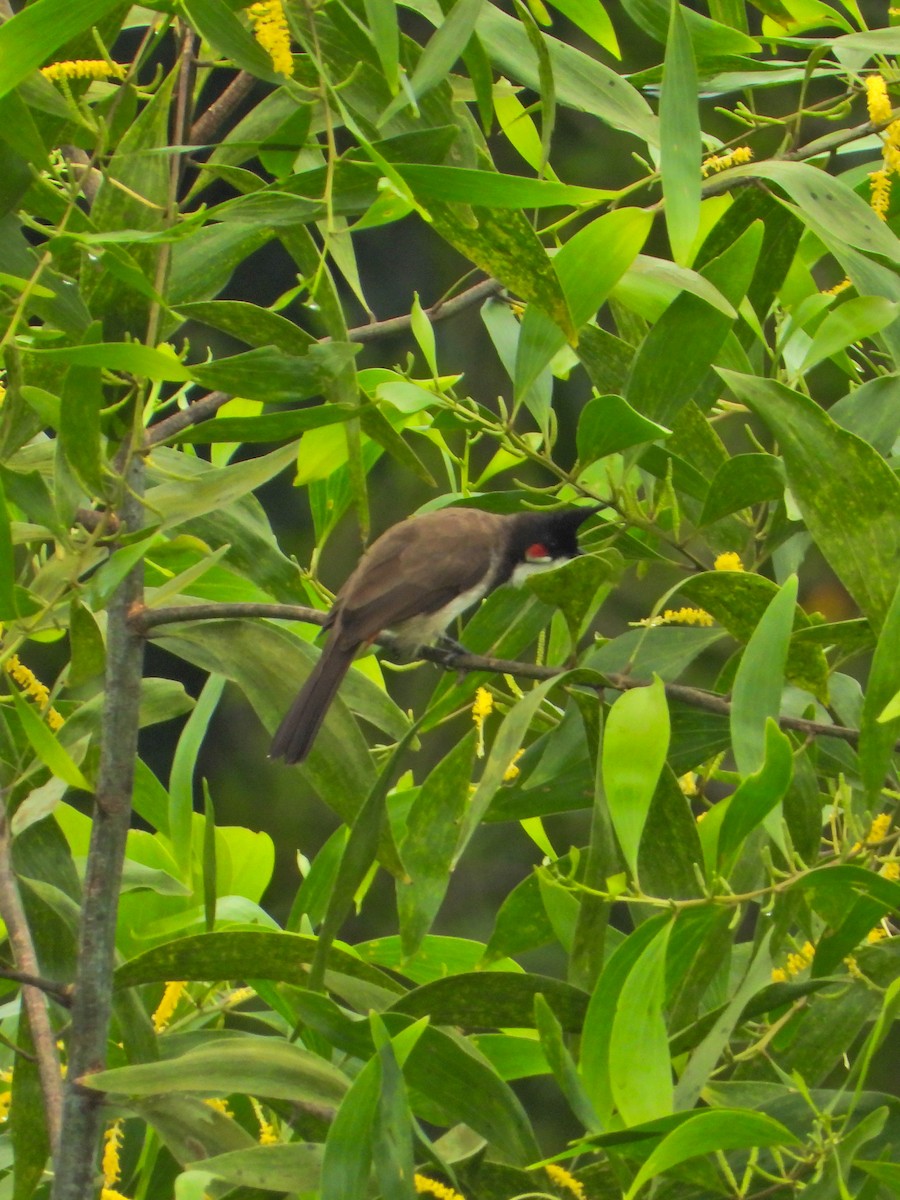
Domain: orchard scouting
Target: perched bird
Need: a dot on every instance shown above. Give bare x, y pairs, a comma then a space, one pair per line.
413, 581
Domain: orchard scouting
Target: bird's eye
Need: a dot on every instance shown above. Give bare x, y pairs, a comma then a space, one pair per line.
537, 553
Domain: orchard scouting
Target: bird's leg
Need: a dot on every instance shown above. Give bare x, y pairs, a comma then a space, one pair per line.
450, 645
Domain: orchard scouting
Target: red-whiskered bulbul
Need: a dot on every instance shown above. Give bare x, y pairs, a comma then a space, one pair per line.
412, 581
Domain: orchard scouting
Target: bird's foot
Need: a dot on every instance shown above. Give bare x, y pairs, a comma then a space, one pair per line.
450, 645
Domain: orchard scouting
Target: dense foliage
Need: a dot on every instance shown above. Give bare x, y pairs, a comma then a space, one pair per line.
687, 268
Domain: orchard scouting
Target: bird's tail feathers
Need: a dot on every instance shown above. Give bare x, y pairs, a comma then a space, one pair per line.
298, 730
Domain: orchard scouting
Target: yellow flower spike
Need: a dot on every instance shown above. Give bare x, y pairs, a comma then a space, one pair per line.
779, 975
564, 1179
430, 1187
891, 870
111, 1164
729, 561
512, 771
879, 828
267, 1133
482, 707
853, 967
876, 934
165, 1010
721, 162
83, 68
218, 1105
33, 688
877, 99
688, 783
687, 616
839, 287
5, 1101
270, 28
880, 194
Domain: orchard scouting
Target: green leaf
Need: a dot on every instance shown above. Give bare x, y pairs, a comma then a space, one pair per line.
138, 360
757, 795
281, 1168
493, 999
822, 200
443, 49
32, 36
8, 606
706, 1133
604, 1004
504, 244
680, 146
271, 427
878, 732
385, 33
393, 1125
561, 1064
507, 742
885, 1172
573, 586
46, 745
432, 829
742, 481
582, 82
591, 16
243, 954
28, 1127
588, 266
262, 1066
215, 488
738, 599
190, 1128
79, 426
377, 426
850, 322
608, 424
703, 1061
521, 923
635, 743
251, 324
676, 354
639, 1035
853, 513
87, 647
756, 694
181, 779
493, 189
221, 28
347, 1161
267, 374
670, 848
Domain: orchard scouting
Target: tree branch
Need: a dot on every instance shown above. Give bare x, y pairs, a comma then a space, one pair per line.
92, 1002
34, 1000
60, 992
205, 129
208, 406
144, 620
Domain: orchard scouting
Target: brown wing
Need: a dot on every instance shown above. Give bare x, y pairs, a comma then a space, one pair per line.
415, 568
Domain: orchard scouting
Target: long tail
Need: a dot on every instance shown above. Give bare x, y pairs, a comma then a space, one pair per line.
298, 730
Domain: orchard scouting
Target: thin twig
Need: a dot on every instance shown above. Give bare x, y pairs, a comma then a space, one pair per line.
206, 128
13, 914
439, 311
208, 406
143, 620
61, 992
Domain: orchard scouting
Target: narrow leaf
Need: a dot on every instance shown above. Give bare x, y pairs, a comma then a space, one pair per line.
680, 146
634, 749
756, 695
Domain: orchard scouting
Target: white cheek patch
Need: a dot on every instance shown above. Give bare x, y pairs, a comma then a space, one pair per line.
534, 567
